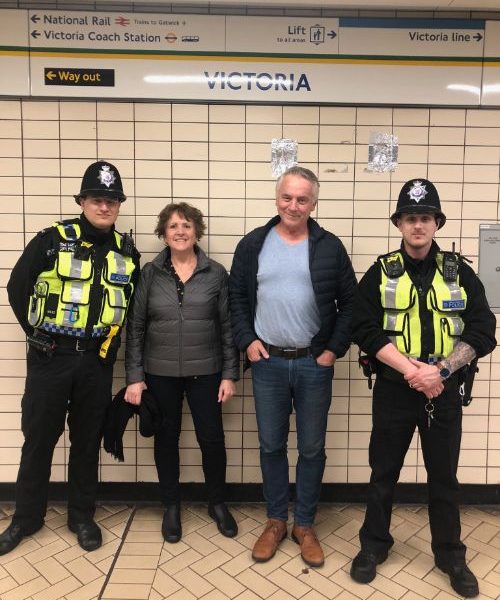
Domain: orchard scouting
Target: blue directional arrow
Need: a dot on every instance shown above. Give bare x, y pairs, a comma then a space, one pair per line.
331, 34
36, 34
35, 18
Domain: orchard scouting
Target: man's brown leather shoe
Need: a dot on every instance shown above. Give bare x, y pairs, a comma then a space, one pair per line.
310, 548
269, 540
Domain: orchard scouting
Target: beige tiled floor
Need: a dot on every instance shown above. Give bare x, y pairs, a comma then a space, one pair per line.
134, 563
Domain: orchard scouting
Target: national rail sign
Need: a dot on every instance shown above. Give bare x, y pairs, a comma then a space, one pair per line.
91, 31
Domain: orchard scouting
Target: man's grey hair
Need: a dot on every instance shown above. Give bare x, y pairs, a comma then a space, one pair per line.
305, 174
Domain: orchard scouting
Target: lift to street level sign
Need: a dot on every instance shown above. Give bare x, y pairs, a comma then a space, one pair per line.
79, 77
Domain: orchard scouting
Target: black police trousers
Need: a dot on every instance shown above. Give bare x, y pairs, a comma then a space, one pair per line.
72, 383
397, 410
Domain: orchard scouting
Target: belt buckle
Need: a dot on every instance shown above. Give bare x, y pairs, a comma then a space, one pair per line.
289, 353
78, 347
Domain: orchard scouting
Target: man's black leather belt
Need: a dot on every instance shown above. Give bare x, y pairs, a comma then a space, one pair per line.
67, 342
289, 353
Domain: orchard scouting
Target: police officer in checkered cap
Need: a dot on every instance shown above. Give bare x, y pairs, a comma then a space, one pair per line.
421, 316
70, 291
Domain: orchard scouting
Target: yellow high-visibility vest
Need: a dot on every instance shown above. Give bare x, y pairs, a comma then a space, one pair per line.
446, 300
60, 300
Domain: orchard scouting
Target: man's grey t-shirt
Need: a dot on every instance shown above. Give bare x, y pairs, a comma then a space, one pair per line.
287, 314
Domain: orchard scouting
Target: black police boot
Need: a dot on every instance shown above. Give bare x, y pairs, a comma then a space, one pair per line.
462, 579
88, 534
364, 566
11, 538
224, 519
171, 528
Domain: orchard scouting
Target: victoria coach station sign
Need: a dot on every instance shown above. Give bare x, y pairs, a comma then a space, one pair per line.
240, 58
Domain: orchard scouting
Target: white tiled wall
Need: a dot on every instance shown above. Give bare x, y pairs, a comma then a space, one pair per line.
217, 157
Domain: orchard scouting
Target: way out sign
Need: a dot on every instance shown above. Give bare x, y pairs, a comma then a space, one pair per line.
79, 77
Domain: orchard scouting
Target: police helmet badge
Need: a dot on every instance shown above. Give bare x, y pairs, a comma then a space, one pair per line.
106, 176
418, 191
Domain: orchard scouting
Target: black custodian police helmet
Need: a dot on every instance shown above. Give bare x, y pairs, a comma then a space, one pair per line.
101, 179
419, 196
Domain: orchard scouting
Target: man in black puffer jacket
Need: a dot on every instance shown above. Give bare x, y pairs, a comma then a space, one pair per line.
291, 290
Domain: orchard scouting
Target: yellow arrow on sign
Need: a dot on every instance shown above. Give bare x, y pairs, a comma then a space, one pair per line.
50, 75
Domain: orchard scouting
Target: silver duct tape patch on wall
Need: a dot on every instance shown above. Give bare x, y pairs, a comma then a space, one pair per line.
382, 152
283, 155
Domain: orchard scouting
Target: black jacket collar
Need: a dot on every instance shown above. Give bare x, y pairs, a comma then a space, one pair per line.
421, 265
92, 234
314, 230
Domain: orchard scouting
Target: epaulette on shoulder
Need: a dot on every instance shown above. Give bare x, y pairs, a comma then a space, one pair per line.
67, 221
382, 256
44, 232
52, 229
392, 264
60, 222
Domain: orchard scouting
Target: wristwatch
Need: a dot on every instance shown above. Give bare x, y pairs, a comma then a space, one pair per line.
444, 372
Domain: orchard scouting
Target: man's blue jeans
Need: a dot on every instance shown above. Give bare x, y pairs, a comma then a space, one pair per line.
279, 386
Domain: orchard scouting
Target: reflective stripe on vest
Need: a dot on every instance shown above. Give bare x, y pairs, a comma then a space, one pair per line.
69, 267
399, 298
400, 302
60, 301
446, 302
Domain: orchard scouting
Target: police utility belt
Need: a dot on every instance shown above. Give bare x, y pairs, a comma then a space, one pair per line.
464, 376
48, 344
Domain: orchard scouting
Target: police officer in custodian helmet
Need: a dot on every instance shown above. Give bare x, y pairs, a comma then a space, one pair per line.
421, 316
70, 291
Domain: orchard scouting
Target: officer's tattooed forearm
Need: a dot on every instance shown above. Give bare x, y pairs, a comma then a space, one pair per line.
461, 355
